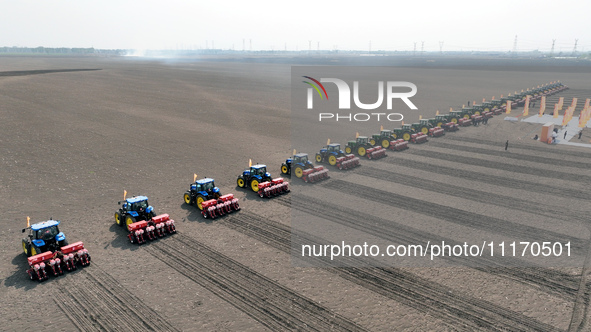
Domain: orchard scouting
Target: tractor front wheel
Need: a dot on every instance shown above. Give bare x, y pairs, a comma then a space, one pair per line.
439, 124
284, 169
361, 151
254, 185
332, 160
454, 120
299, 172
35, 251
187, 198
372, 141
425, 130
466, 116
240, 182
118, 219
477, 113
129, 220
348, 149
318, 158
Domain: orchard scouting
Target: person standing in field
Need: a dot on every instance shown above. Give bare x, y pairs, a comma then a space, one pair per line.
506, 145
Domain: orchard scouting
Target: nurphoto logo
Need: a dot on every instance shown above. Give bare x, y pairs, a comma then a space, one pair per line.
344, 98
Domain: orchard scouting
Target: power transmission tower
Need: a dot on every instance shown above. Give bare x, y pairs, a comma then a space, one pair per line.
414, 52
515, 45
552, 50
575, 48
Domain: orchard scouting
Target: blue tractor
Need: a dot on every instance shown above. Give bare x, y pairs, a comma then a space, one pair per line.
134, 209
201, 191
42, 237
299, 162
253, 177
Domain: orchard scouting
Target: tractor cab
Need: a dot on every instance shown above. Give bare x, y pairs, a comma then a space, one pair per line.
301, 159
46, 236
137, 206
407, 127
386, 133
334, 148
362, 140
259, 171
205, 187
425, 122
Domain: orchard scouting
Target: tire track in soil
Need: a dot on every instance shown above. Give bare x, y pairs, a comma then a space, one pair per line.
500, 144
265, 300
496, 152
551, 174
467, 193
404, 287
488, 178
95, 301
454, 215
549, 281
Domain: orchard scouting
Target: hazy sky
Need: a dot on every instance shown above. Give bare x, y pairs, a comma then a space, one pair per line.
389, 25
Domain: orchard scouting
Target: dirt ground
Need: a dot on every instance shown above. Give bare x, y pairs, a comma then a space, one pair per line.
73, 140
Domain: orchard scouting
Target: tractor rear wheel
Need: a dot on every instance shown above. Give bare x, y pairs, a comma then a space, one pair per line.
361, 151
486, 109
466, 116
187, 198
199, 201
118, 219
439, 124
284, 169
254, 185
240, 182
63, 243
477, 113
318, 158
129, 220
26, 248
454, 120
372, 141
406, 136
299, 172
332, 160
385, 143
348, 149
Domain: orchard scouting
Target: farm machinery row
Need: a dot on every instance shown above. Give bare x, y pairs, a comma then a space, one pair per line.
48, 252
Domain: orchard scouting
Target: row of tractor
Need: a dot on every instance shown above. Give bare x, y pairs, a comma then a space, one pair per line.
49, 253
397, 139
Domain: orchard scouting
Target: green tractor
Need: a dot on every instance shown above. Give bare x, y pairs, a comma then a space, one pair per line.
383, 138
363, 148
403, 132
421, 127
358, 146
456, 115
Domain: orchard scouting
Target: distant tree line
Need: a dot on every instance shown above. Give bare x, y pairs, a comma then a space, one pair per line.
57, 50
